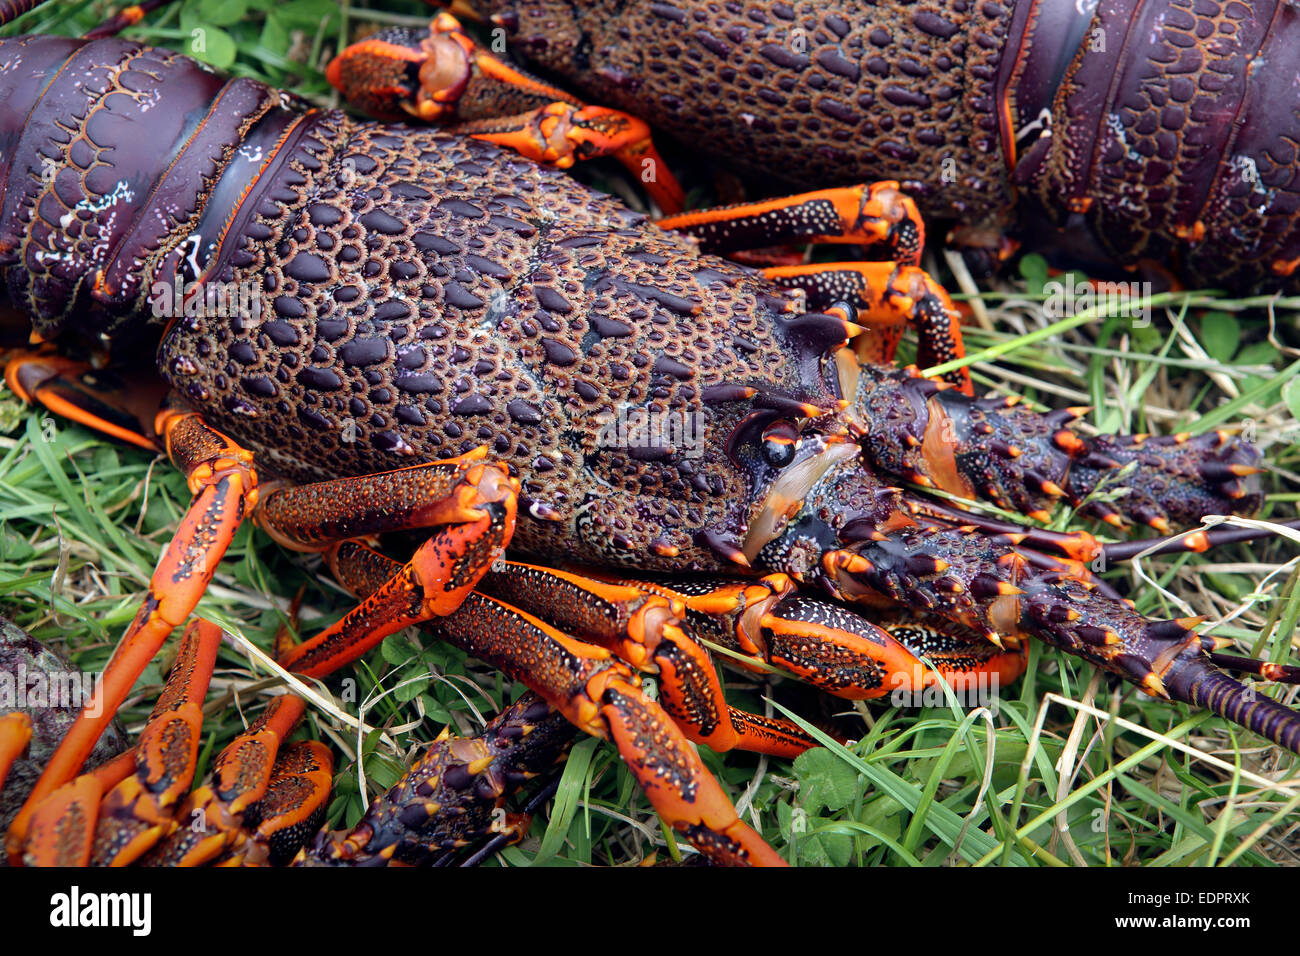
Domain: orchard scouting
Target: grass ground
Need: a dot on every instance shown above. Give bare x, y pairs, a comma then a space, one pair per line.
1070, 769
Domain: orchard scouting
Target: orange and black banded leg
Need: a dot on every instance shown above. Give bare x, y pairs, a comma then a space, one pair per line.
645, 629
291, 811
86, 821
454, 795
210, 822
469, 503
442, 76
15, 735
886, 297
601, 695
963, 658
877, 214
560, 134
830, 646
224, 484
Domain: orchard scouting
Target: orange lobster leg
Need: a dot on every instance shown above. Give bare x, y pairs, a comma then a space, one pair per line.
76, 827
887, 297
602, 696
293, 807
560, 134
643, 628
15, 734
874, 214
224, 484
472, 506
831, 647
443, 76
91, 397
210, 819
62, 831
311, 517
599, 694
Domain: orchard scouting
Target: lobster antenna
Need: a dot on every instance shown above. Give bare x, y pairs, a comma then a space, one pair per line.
11, 10
1123, 550
1197, 682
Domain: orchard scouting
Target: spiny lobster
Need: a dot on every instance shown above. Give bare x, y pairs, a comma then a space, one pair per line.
1146, 131
421, 295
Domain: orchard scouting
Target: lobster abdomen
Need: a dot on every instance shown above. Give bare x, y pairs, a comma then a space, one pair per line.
1176, 132
122, 165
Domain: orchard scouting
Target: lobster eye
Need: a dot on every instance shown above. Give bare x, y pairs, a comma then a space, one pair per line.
779, 441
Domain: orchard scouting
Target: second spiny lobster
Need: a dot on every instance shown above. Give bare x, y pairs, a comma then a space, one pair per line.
1120, 132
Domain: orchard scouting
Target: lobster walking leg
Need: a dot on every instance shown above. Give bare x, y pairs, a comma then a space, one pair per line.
443, 76
601, 695
81, 394
831, 647
211, 821
470, 503
224, 484
885, 296
643, 628
78, 827
874, 214
15, 735
450, 797
128, 809
293, 808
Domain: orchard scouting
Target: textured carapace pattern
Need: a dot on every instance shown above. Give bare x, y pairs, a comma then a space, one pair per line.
813, 92
419, 295
1173, 124
416, 296
443, 299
